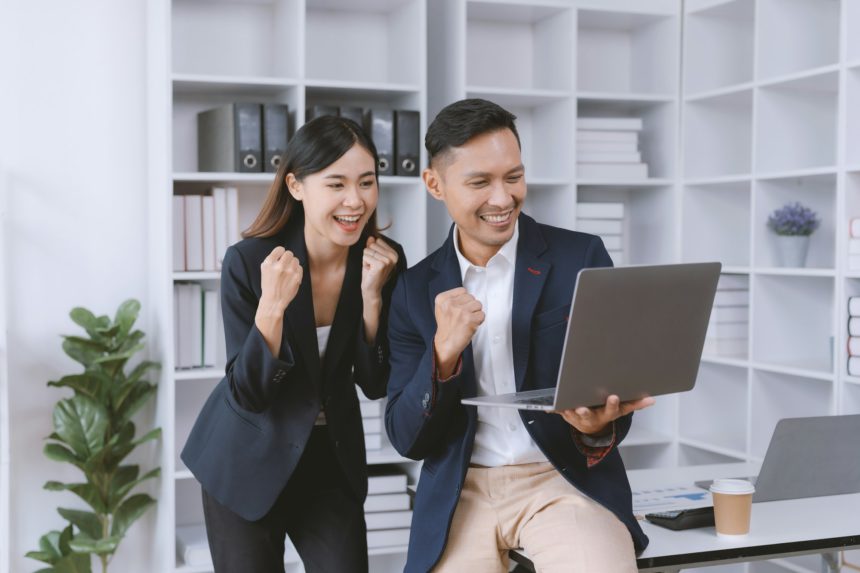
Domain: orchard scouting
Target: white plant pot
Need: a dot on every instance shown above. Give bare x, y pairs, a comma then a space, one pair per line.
791, 250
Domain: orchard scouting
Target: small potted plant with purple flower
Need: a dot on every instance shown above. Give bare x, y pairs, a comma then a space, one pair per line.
793, 223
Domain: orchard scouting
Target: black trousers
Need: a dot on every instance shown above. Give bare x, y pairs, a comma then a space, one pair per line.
317, 510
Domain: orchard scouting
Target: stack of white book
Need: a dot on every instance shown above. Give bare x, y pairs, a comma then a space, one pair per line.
371, 418
203, 227
854, 336
607, 221
192, 547
386, 510
608, 148
728, 330
854, 245
197, 332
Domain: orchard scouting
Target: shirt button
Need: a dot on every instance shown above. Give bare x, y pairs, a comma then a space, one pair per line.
512, 427
496, 339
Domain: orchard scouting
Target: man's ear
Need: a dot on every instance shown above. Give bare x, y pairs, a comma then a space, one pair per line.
294, 187
432, 181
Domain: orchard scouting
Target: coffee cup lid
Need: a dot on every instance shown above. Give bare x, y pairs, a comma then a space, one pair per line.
732, 486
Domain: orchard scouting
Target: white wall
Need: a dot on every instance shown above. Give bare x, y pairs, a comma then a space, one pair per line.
73, 120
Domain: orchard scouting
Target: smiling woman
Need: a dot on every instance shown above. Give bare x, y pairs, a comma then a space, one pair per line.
279, 445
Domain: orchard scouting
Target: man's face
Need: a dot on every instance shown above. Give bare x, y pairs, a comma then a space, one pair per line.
483, 186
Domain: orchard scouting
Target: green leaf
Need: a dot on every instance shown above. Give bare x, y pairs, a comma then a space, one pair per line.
81, 422
130, 510
86, 521
121, 355
85, 544
82, 350
60, 453
84, 318
126, 315
87, 492
65, 538
46, 569
141, 369
74, 563
151, 435
139, 395
86, 384
49, 549
121, 491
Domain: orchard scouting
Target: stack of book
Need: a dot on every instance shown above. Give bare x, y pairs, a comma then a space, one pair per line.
197, 341
854, 245
608, 148
728, 330
607, 221
386, 509
371, 418
854, 336
203, 227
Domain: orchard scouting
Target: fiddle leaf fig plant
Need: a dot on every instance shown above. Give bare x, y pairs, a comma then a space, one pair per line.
94, 432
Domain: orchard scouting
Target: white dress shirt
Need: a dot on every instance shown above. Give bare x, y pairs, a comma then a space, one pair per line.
501, 438
323, 333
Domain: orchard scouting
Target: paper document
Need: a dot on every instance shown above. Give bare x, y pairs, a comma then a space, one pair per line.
669, 498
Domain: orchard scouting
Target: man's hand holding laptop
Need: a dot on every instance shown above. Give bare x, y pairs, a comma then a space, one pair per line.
596, 421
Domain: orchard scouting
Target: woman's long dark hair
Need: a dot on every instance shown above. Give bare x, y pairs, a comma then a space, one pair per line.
315, 146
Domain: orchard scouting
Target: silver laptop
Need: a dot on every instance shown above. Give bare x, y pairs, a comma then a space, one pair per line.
633, 331
809, 457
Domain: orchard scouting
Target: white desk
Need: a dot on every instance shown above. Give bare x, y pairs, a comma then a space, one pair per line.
778, 529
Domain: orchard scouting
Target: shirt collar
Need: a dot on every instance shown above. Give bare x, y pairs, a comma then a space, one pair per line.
507, 252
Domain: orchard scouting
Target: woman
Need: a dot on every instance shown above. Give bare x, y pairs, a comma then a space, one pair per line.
279, 445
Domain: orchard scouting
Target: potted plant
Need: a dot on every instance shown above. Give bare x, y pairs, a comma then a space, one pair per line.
93, 431
793, 223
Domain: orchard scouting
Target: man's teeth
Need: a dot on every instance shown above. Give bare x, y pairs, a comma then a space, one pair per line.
350, 219
496, 218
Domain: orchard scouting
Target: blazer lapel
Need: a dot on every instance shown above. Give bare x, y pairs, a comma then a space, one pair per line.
348, 312
300, 323
529, 279
449, 277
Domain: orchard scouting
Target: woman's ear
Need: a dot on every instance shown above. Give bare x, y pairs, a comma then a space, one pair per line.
294, 187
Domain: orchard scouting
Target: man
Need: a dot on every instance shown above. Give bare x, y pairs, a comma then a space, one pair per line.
486, 314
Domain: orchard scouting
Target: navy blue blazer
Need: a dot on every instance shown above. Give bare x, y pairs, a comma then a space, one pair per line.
425, 420
251, 433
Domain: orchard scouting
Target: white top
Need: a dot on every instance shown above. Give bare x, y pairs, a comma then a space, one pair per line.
501, 438
322, 342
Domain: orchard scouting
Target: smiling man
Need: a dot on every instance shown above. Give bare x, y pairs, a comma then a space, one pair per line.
486, 314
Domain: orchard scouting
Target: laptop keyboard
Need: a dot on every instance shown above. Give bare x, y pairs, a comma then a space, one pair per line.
539, 400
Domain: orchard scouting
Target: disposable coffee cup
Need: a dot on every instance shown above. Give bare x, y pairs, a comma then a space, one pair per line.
732, 507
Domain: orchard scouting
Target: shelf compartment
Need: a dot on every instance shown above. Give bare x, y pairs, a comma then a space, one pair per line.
796, 124
796, 35
236, 38
658, 137
646, 456
519, 46
718, 136
382, 42
729, 25
400, 207
189, 400
186, 106
852, 110
627, 53
715, 410
850, 399
551, 204
852, 19
648, 235
545, 138
367, 97
793, 322
656, 420
776, 396
699, 455
817, 192
708, 211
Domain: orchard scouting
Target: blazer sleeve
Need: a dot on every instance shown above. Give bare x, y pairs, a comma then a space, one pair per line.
597, 256
371, 368
419, 408
253, 373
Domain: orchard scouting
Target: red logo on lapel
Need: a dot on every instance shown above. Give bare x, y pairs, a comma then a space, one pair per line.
534, 271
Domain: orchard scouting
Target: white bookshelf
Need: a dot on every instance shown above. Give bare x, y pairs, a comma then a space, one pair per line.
5, 458
205, 53
769, 92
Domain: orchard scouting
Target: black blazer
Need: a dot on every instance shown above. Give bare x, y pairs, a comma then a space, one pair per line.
251, 433
425, 419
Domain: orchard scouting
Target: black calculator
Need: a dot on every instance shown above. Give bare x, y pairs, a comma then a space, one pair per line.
683, 518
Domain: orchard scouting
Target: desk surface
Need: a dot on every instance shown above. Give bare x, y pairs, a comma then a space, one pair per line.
777, 528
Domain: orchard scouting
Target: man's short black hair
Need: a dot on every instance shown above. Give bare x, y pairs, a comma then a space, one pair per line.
460, 121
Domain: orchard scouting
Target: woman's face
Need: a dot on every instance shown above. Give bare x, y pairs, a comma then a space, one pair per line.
340, 199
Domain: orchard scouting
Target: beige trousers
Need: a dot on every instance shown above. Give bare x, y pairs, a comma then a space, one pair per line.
531, 506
